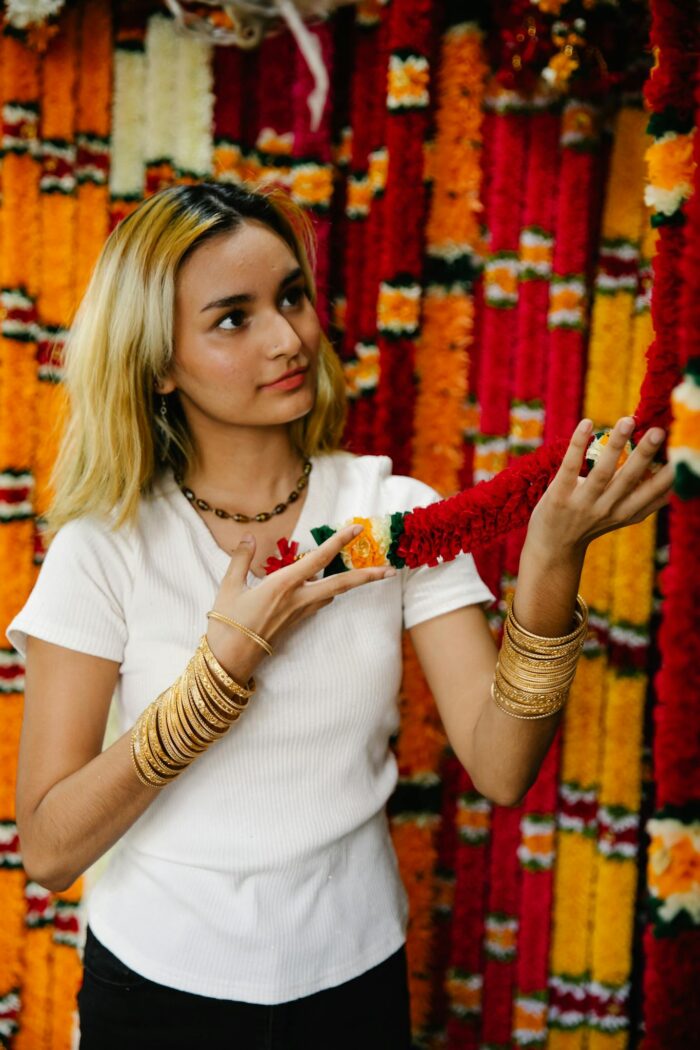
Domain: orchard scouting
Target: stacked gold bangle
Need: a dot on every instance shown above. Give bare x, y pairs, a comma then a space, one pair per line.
534, 673
187, 718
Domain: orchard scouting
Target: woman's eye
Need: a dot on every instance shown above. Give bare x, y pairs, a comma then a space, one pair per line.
232, 321
295, 295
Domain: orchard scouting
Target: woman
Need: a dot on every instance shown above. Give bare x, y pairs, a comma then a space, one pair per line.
253, 898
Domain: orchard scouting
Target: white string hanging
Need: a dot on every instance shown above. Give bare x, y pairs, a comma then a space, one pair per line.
248, 21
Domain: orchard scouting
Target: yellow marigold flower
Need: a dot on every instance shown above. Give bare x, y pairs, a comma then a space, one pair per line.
670, 161
312, 184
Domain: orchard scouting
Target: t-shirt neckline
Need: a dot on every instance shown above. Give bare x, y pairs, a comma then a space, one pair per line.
216, 554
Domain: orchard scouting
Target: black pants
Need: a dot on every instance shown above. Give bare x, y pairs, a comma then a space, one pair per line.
119, 1008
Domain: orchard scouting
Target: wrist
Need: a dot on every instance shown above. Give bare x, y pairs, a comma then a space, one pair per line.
545, 557
236, 653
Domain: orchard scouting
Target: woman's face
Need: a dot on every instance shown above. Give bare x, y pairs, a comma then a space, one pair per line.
247, 337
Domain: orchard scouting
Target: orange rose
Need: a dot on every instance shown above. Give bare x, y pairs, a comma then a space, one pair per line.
363, 551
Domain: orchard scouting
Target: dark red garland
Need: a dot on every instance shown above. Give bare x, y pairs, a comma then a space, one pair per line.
536, 894
503, 900
402, 254
671, 1003
316, 146
674, 27
471, 876
677, 714
690, 295
504, 219
362, 107
228, 74
480, 516
663, 366
574, 238
370, 269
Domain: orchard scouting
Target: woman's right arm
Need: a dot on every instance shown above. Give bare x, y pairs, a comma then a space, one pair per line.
74, 801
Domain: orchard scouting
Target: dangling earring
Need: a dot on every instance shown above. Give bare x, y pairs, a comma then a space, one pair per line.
163, 409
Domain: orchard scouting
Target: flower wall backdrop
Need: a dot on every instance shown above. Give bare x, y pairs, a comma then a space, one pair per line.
508, 238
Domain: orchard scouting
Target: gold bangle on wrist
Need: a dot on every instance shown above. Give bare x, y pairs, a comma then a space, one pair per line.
229, 683
214, 615
186, 719
534, 673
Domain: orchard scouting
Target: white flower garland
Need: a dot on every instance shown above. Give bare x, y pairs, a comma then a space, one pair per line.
126, 175
194, 107
23, 13
161, 86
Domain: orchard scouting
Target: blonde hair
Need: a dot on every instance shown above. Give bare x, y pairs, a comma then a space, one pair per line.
116, 442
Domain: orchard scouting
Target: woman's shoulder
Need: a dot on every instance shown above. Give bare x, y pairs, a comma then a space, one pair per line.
375, 474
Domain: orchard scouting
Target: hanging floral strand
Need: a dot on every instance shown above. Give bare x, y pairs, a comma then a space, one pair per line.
366, 195
672, 944
92, 140
535, 851
127, 175
398, 304
18, 262
161, 111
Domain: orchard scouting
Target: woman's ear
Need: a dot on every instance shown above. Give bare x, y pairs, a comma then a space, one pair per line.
166, 385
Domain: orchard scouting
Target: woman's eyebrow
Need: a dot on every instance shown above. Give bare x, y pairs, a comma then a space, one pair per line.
248, 297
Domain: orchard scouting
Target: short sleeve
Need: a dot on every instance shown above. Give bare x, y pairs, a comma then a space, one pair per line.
430, 591
79, 597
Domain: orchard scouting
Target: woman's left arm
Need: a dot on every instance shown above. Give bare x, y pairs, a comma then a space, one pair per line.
501, 753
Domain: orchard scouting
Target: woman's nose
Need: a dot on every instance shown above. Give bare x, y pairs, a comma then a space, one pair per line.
283, 337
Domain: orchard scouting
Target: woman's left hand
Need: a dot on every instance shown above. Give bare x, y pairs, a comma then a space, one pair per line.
574, 510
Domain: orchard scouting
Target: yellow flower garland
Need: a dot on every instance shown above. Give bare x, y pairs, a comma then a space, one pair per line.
578, 945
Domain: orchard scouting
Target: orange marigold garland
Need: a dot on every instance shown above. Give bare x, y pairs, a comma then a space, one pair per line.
92, 139
19, 224
453, 233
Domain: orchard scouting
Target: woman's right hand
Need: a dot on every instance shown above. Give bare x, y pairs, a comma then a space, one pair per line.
285, 597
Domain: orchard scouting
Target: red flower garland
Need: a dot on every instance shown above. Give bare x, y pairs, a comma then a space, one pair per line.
371, 261
672, 961
478, 517
315, 145
578, 200
536, 242
402, 254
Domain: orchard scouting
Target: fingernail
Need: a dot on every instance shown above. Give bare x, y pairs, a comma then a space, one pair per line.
627, 426
389, 572
584, 426
357, 529
656, 436
247, 537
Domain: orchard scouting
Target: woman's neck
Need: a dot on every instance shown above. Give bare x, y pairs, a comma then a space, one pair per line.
246, 470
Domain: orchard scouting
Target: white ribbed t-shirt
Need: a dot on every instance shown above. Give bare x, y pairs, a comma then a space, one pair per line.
266, 871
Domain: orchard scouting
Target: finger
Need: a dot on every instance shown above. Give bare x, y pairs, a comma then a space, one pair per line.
315, 561
598, 479
566, 477
331, 586
651, 508
241, 559
633, 470
646, 494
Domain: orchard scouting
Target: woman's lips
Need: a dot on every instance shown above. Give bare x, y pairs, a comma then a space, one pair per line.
289, 382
